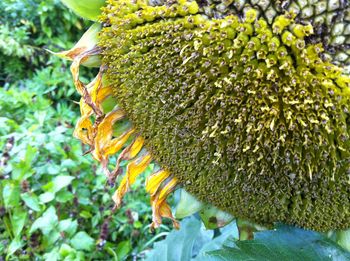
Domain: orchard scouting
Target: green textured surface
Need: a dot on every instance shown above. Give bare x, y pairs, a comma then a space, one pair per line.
242, 110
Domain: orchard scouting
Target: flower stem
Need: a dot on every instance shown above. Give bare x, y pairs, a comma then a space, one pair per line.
245, 229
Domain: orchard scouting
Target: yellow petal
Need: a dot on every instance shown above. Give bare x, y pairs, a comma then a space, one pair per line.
105, 131
167, 189
103, 93
137, 166
154, 181
95, 87
74, 68
84, 131
134, 148
134, 169
84, 127
129, 153
160, 211
117, 143
160, 208
85, 109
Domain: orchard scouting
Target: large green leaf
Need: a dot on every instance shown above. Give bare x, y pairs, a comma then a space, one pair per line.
178, 244
192, 240
47, 222
18, 220
82, 241
58, 183
11, 194
31, 200
284, 243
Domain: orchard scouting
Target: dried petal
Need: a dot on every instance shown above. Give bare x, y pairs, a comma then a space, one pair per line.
134, 169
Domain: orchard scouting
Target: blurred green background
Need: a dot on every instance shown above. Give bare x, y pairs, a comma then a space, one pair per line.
54, 202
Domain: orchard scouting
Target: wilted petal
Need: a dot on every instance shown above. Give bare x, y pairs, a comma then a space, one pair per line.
160, 208
129, 152
105, 131
133, 170
117, 143
154, 181
86, 43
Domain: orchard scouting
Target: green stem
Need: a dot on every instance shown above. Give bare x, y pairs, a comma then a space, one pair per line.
245, 229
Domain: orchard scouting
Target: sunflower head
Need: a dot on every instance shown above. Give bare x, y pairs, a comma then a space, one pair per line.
244, 103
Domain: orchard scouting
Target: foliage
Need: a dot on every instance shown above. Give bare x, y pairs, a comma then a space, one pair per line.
54, 202
26, 28
287, 243
284, 243
191, 241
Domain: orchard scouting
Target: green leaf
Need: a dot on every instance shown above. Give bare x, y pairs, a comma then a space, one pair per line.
53, 255
16, 244
214, 218
123, 249
66, 250
82, 241
47, 222
68, 226
285, 243
58, 183
178, 244
51, 238
187, 205
63, 196
23, 169
85, 214
31, 200
46, 197
11, 194
18, 220
228, 232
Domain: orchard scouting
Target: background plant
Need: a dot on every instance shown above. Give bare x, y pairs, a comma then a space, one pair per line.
54, 203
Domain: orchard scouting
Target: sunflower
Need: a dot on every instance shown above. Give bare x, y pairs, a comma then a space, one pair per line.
245, 104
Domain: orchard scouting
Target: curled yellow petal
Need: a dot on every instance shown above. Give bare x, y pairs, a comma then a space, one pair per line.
102, 94
133, 170
105, 131
160, 207
117, 143
137, 166
74, 68
167, 189
154, 181
134, 149
160, 211
84, 130
129, 153
113, 147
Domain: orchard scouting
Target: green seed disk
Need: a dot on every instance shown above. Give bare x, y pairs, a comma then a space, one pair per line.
246, 103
